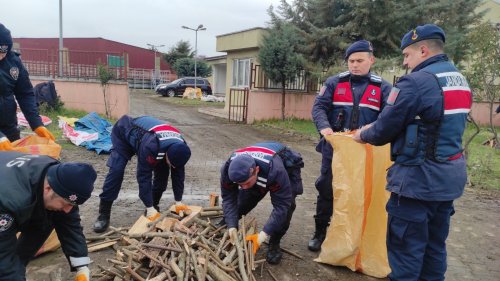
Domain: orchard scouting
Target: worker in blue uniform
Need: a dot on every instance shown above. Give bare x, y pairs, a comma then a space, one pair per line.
161, 151
347, 101
424, 121
247, 176
15, 85
38, 194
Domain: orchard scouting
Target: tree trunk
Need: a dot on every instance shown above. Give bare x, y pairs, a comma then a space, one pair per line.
283, 101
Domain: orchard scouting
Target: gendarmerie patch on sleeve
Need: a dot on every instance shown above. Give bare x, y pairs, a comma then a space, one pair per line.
6, 221
393, 95
322, 90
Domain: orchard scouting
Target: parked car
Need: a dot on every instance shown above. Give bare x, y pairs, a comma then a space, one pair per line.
177, 87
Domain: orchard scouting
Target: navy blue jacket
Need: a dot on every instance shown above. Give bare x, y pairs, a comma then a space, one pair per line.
22, 209
424, 121
150, 145
15, 82
278, 184
347, 102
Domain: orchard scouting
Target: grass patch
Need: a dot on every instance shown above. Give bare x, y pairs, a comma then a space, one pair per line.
483, 163
299, 126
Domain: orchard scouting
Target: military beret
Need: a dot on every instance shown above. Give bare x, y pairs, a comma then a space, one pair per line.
178, 154
358, 46
422, 32
72, 181
240, 168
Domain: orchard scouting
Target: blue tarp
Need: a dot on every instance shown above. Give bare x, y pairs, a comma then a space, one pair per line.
92, 123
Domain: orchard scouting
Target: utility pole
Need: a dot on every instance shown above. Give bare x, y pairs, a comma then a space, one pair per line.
199, 28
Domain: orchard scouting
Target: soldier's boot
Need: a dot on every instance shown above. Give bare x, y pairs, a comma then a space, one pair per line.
102, 222
318, 238
274, 253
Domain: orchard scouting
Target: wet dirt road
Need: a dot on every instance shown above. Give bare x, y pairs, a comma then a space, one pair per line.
473, 245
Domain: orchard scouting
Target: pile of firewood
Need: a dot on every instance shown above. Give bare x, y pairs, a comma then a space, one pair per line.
179, 248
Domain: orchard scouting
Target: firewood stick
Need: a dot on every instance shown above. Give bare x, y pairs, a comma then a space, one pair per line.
113, 261
210, 213
111, 272
216, 208
221, 243
272, 275
164, 265
175, 268
215, 257
194, 261
182, 265
99, 237
205, 266
102, 242
172, 249
241, 260
134, 274
218, 274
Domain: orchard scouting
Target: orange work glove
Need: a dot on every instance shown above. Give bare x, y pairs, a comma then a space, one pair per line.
180, 208
152, 214
44, 133
5, 144
257, 240
82, 274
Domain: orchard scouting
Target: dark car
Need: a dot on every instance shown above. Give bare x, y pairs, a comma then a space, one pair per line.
177, 87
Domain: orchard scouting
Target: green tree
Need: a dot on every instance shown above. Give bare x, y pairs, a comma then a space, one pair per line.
105, 75
483, 71
182, 49
185, 67
279, 58
329, 26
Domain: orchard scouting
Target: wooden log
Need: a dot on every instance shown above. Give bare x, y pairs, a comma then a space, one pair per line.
211, 213
197, 270
171, 249
101, 245
134, 274
218, 274
241, 260
272, 275
216, 208
160, 277
182, 266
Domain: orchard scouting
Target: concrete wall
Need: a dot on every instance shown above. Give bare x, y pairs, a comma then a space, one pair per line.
88, 96
481, 113
267, 105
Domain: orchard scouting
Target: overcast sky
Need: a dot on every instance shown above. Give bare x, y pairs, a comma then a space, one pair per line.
136, 22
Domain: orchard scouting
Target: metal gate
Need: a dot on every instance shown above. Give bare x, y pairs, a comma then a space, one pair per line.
238, 105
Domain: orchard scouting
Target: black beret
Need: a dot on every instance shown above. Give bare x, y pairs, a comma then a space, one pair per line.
358, 46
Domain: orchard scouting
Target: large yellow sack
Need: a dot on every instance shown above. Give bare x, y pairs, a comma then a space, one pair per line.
37, 145
43, 146
357, 232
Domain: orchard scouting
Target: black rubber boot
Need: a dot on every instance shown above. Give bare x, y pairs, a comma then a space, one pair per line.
274, 253
102, 222
156, 201
318, 238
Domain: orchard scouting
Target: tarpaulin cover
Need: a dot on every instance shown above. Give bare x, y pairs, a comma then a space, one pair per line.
37, 145
21, 120
357, 232
92, 123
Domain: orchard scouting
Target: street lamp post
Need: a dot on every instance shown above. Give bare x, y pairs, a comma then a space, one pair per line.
154, 48
200, 27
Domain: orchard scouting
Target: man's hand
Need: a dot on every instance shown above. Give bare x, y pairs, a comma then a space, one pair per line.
257, 240
82, 274
326, 131
152, 214
357, 134
5, 144
44, 133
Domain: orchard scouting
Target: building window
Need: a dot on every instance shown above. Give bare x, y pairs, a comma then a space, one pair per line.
115, 61
241, 73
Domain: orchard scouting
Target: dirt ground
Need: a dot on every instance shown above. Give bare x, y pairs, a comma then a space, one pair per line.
473, 244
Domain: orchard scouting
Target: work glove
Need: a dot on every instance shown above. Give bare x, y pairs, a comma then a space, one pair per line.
44, 133
82, 274
152, 214
233, 235
180, 208
257, 240
5, 144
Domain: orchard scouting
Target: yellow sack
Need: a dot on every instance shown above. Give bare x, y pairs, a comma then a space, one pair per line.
37, 145
357, 233
33, 144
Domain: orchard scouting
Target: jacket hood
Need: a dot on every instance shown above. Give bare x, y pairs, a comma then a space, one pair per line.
5, 37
